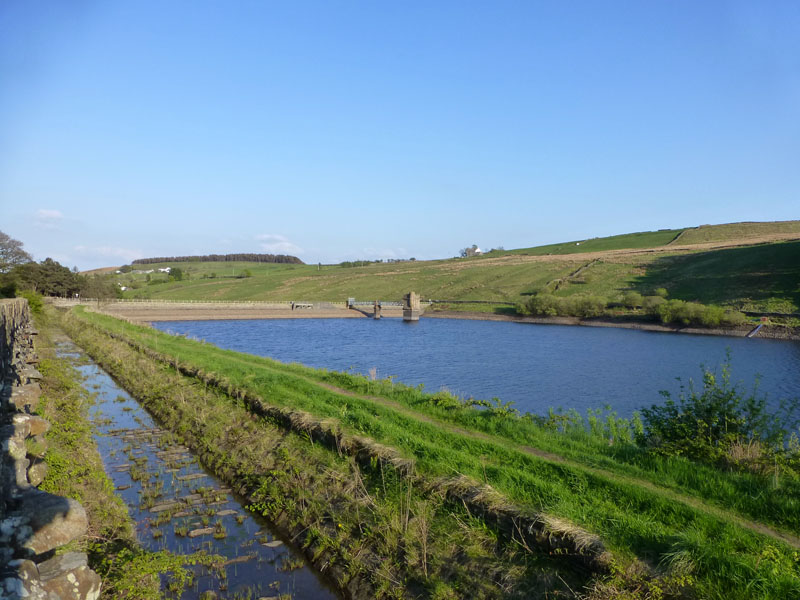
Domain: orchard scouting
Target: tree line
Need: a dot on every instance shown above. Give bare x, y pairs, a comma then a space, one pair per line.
50, 278
19, 273
246, 257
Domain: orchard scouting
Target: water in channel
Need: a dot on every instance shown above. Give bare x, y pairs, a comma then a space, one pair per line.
535, 366
180, 507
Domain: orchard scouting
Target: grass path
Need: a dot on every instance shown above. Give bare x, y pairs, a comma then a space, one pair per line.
551, 457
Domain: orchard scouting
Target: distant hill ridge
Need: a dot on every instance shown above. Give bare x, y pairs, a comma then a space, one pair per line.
744, 266
259, 258
747, 231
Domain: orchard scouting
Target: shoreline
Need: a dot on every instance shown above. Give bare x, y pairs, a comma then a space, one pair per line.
768, 332
157, 312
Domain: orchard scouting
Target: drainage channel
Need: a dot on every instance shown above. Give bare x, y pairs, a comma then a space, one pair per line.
180, 507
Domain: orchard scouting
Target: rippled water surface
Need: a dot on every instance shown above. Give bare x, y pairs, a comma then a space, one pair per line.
536, 366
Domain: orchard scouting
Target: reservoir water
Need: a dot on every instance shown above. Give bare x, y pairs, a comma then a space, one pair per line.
535, 366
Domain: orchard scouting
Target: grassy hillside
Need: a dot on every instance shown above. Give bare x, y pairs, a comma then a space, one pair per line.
765, 276
449, 279
645, 239
736, 231
760, 276
729, 232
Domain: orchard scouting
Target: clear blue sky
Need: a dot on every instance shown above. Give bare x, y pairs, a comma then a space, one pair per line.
340, 130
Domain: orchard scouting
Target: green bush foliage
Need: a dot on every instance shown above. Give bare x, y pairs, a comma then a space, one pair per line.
546, 304
693, 313
649, 303
704, 424
34, 300
8, 286
632, 300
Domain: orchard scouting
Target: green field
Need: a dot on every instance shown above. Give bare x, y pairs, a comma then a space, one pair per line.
761, 276
732, 231
446, 279
718, 531
645, 239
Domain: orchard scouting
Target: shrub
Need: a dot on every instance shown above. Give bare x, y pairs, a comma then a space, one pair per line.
8, 286
709, 423
587, 306
34, 300
734, 317
632, 300
650, 303
547, 304
693, 313
674, 311
543, 304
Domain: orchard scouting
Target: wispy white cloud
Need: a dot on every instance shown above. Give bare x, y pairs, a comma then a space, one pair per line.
277, 244
48, 218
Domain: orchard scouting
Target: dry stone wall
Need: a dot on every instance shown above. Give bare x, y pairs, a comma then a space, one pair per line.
33, 523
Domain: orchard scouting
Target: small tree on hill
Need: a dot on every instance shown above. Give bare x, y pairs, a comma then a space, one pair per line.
471, 251
102, 289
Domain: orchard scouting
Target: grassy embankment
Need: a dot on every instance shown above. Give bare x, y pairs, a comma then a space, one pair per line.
75, 470
679, 518
361, 516
760, 277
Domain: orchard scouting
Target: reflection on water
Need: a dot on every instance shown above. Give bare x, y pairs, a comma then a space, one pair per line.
178, 506
535, 366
